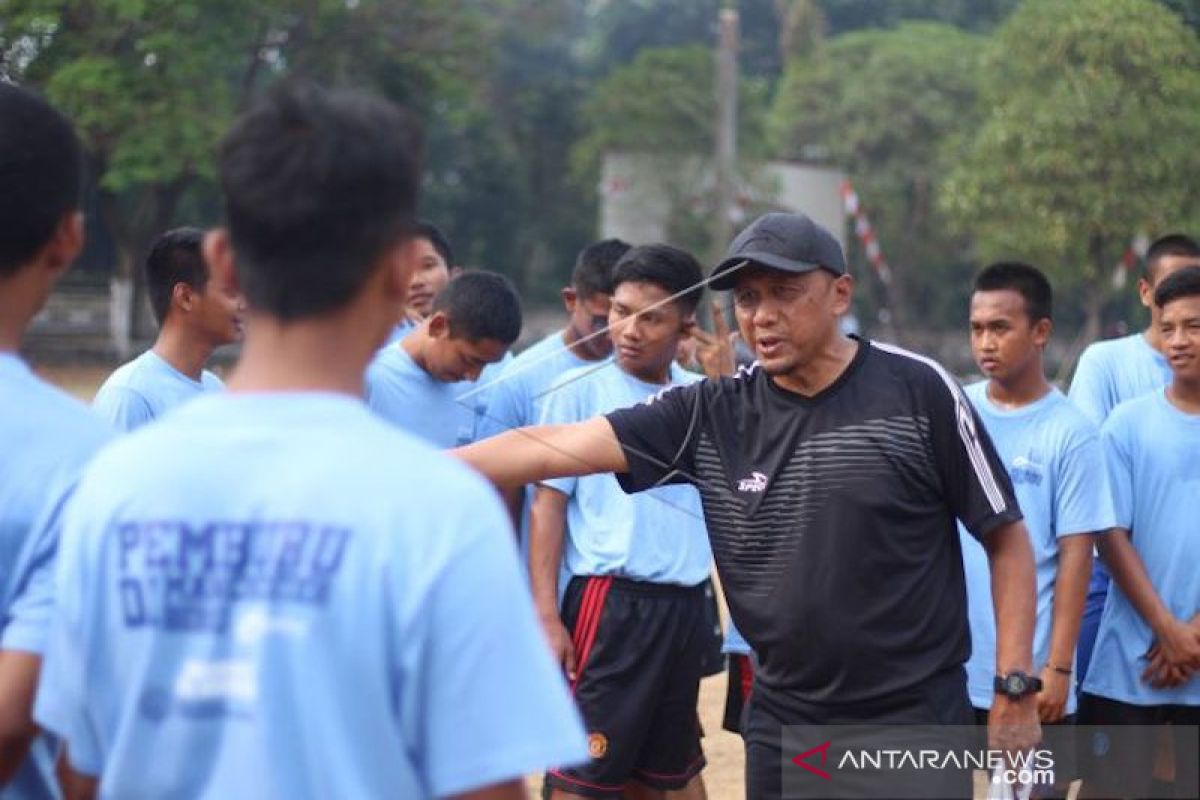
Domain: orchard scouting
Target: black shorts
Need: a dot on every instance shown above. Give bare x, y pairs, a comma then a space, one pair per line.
940, 700
639, 649
1128, 770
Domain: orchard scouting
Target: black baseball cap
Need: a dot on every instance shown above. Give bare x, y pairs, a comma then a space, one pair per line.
788, 242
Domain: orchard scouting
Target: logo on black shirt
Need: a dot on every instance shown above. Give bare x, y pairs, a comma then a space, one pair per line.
755, 484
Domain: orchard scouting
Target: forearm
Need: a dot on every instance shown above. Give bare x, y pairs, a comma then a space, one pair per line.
1127, 569
529, 455
1070, 597
1014, 596
18, 682
547, 528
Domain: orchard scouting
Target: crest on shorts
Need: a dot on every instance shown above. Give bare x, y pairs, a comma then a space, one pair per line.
597, 745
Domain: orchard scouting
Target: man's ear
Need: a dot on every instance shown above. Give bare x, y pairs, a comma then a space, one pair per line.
65, 244
218, 254
1145, 292
439, 325
183, 296
570, 298
687, 323
843, 291
1041, 331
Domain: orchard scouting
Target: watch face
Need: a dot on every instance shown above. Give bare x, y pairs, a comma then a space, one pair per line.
1015, 684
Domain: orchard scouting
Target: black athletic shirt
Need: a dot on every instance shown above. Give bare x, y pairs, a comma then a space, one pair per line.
832, 518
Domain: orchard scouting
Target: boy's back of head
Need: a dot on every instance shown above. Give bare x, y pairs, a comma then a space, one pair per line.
593, 272
481, 305
318, 184
41, 165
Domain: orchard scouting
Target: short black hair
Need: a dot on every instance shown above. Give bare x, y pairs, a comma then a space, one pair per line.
424, 229
1173, 244
1180, 283
41, 164
1025, 280
175, 257
318, 184
593, 273
675, 270
481, 305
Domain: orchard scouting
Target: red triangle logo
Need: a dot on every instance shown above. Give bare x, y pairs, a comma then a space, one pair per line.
823, 749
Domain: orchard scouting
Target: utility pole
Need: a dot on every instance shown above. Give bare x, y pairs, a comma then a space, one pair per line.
726, 130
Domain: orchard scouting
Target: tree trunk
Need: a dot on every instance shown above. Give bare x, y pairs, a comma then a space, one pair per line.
1088, 333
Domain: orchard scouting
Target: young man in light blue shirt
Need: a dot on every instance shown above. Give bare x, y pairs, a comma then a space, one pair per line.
1113, 371
196, 315
46, 437
272, 593
518, 391
423, 382
1147, 656
633, 626
1053, 456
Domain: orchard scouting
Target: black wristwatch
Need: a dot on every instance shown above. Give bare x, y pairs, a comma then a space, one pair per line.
1016, 685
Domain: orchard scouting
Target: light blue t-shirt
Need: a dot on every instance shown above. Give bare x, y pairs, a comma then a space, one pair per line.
402, 329
479, 394
281, 596
1054, 458
46, 438
145, 389
404, 394
517, 398
734, 641
657, 535
1153, 454
1116, 370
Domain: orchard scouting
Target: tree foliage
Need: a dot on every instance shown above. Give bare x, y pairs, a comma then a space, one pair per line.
1092, 118
882, 105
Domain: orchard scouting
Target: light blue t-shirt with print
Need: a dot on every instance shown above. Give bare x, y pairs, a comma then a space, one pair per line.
1116, 370
1153, 454
279, 595
657, 535
145, 389
46, 438
404, 394
1053, 455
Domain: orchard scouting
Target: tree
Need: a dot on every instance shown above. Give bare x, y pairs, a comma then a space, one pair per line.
663, 104
152, 84
1089, 138
882, 104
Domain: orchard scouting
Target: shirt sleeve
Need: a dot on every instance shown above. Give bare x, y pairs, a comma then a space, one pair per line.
976, 485
659, 437
61, 705
1119, 465
1089, 391
506, 407
123, 409
28, 617
487, 701
1083, 502
563, 405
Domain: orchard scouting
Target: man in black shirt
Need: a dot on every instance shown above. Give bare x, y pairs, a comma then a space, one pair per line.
831, 473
